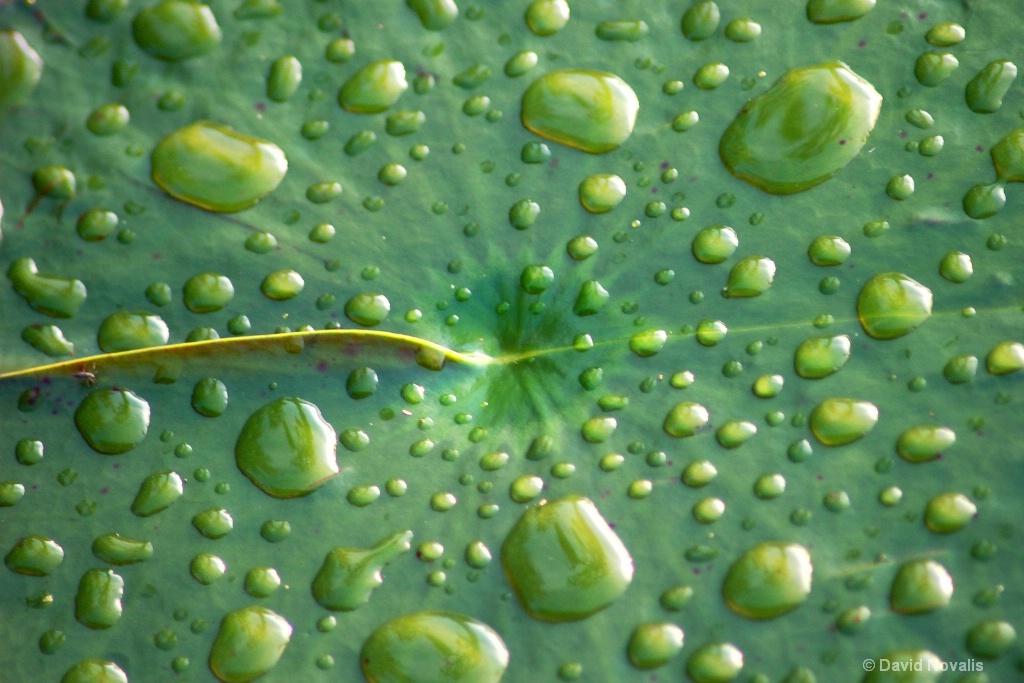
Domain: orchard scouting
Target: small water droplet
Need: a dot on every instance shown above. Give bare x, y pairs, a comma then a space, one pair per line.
920, 586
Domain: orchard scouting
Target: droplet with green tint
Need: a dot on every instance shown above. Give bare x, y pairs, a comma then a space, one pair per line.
685, 419
28, 452
708, 510
210, 397
434, 647
176, 30
367, 309
216, 168
108, 119
284, 78
836, 11
751, 276
900, 187
249, 643
934, 67
946, 34
648, 342
55, 182
157, 492
803, 130
602, 192
891, 305
112, 421
34, 555
592, 111
348, 576
94, 671
207, 568
699, 473
213, 523
374, 88
520, 63
131, 330
949, 512
714, 244
700, 20
742, 30
654, 644
924, 442
98, 600
768, 386
287, 449
985, 92
839, 421
207, 292
55, 296
564, 561
983, 201
591, 298
829, 250
821, 356
630, 30
715, 663
262, 582
120, 550
907, 666
1005, 358
282, 285
536, 279
547, 17
735, 433
920, 586
768, 580
95, 225
435, 15
956, 266
362, 383
48, 339
991, 639
22, 68
598, 429
710, 76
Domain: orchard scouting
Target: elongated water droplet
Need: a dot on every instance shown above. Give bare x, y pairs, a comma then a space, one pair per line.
176, 30
284, 78
118, 550
349, 576
94, 671
630, 30
249, 643
112, 421
592, 111
839, 421
98, 601
564, 561
212, 166
22, 68
891, 305
434, 647
985, 92
835, 11
768, 580
924, 443
803, 130
34, 556
59, 297
157, 492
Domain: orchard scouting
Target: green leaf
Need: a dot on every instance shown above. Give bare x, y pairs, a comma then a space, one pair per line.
456, 312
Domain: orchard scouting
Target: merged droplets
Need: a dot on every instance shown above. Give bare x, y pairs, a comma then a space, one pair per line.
250, 643
112, 421
53, 295
768, 580
434, 647
802, 131
592, 111
349, 576
287, 449
216, 168
564, 561
891, 305
98, 601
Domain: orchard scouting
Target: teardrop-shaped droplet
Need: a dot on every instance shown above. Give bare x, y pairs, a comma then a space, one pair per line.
891, 305
839, 421
768, 580
98, 601
821, 356
249, 643
921, 586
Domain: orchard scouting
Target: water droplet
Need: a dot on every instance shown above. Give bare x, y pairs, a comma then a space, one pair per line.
10, 493
367, 309
715, 244
769, 486
835, 112
525, 488
118, 550
157, 492
751, 276
433, 647
653, 645
28, 452
700, 20
891, 305
742, 30
95, 225
94, 671
821, 356
648, 342
52, 641
768, 386
564, 561
699, 473
112, 421
956, 266
839, 421
339, 51
284, 78
829, 250
630, 30
592, 111
547, 17
908, 666
708, 510
207, 568
34, 556
176, 30
735, 433
685, 419
715, 663
55, 296
520, 63
960, 369
949, 512
22, 68
435, 15
107, 119
710, 76
924, 443
769, 580
946, 34
374, 88
835, 11
213, 523
934, 67
591, 298
991, 639
900, 187
98, 601
985, 92
983, 201
602, 192
287, 449
1005, 358
249, 643
920, 586
349, 576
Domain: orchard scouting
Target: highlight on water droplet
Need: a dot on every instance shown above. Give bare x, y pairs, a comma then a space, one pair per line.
287, 449
803, 130
250, 643
176, 30
434, 647
34, 555
547, 17
98, 601
920, 586
924, 442
112, 421
348, 576
564, 561
212, 166
685, 419
435, 15
94, 671
654, 644
715, 663
592, 111
836, 11
839, 421
820, 357
602, 192
891, 305
374, 88
769, 580
119, 550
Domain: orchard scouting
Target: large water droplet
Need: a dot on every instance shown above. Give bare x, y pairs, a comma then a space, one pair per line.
821, 356
349, 576
374, 88
835, 11
921, 586
592, 111
34, 556
287, 449
985, 92
94, 671
803, 130
98, 601
22, 68
768, 580
216, 168
891, 305
434, 647
112, 421
176, 30
59, 297
249, 643
564, 561
839, 421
